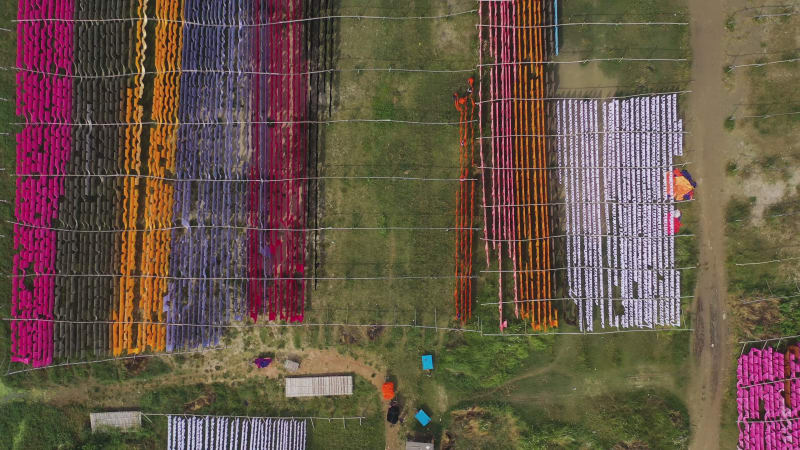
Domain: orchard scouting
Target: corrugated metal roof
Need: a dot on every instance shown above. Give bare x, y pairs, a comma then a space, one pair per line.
418, 446
319, 386
123, 420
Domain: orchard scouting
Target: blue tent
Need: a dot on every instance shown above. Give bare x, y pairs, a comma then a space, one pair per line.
423, 418
427, 362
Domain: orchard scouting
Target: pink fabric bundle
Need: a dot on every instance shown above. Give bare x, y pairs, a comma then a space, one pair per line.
43, 148
760, 386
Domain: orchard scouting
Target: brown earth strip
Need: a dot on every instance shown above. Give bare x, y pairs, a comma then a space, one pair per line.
706, 143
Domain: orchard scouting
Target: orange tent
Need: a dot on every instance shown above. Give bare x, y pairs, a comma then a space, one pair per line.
388, 390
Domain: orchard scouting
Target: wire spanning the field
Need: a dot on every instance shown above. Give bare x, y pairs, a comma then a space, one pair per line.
766, 383
599, 333
619, 97
580, 24
232, 227
238, 72
769, 421
240, 25
258, 325
774, 15
584, 61
305, 73
771, 261
357, 17
232, 180
159, 277
769, 63
327, 177
231, 123
766, 116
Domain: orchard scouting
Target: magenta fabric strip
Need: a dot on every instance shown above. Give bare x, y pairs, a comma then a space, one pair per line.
280, 151
760, 387
45, 47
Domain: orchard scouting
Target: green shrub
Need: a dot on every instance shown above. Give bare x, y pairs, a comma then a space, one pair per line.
484, 362
730, 123
739, 210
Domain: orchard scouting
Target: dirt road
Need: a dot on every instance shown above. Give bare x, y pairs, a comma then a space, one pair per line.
708, 105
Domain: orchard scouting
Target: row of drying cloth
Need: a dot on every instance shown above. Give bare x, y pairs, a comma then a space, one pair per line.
40, 47
465, 203
516, 133
188, 97
89, 203
604, 252
280, 150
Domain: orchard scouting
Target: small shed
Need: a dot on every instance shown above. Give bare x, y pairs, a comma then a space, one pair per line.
411, 445
291, 366
319, 386
120, 420
423, 418
427, 362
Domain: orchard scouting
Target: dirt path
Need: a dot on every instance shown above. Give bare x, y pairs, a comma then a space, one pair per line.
708, 105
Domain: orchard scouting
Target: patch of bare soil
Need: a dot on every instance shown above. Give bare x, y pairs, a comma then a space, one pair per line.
200, 402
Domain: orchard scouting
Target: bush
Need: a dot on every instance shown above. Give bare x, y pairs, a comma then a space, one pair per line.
635, 419
739, 210
485, 362
35, 425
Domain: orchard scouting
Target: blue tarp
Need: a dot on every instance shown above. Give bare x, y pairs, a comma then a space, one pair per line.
423, 418
427, 362
555, 13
